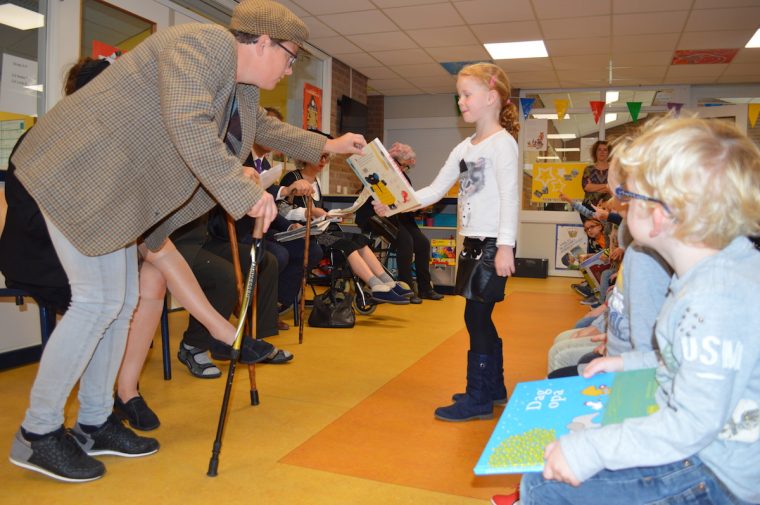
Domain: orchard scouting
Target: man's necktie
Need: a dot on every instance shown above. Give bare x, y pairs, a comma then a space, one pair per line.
257, 163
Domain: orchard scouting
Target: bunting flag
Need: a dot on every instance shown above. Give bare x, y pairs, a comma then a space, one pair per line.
634, 108
675, 108
527, 105
561, 106
754, 110
597, 106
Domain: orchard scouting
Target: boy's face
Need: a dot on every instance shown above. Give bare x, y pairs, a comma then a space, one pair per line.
264, 63
639, 217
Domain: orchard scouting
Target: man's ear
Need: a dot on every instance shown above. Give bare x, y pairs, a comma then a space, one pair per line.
262, 42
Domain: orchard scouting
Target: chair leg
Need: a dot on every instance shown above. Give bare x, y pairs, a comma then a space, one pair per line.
47, 323
165, 347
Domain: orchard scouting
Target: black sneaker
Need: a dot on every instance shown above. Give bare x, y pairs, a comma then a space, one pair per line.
56, 455
136, 412
251, 351
431, 295
116, 439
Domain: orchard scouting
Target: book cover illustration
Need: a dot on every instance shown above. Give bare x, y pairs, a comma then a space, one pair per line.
380, 175
592, 268
443, 252
539, 412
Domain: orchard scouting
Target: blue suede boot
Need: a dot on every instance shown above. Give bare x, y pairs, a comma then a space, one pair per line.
495, 376
476, 403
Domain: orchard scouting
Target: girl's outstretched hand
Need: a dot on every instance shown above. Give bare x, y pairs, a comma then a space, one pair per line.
505, 261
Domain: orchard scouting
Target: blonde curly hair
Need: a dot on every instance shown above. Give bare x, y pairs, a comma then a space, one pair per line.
493, 77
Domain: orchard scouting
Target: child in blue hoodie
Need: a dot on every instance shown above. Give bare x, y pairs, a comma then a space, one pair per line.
693, 193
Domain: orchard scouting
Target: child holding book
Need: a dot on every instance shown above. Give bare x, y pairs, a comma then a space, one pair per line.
489, 200
692, 192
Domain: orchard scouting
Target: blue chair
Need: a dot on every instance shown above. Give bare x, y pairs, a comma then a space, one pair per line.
165, 347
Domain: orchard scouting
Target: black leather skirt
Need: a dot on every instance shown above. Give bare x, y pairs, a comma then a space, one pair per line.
476, 274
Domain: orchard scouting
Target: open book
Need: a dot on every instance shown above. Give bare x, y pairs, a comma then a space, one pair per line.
383, 178
318, 226
539, 412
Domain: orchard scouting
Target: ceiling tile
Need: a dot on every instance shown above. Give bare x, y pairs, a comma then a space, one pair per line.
676, 79
720, 39
713, 4
334, 45
541, 75
378, 72
442, 37
535, 84
420, 70
317, 7
403, 57
424, 16
297, 10
357, 60
725, 79
423, 82
581, 61
582, 45
507, 32
394, 83
317, 29
383, 41
639, 43
723, 19
402, 3
562, 9
598, 77
688, 71
748, 56
659, 22
525, 64
401, 92
352, 23
461, 53
594, 26
642, 58
493, 11
648, 73
625, 6
743, 69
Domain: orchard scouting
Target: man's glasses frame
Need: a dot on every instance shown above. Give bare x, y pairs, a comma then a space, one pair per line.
624, 196
293, 56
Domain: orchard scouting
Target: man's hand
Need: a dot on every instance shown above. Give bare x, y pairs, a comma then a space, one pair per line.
252, 174
264, 209
556, 467
301, 187
348, 143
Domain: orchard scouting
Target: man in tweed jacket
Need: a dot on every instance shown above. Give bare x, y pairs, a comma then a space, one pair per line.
132, 156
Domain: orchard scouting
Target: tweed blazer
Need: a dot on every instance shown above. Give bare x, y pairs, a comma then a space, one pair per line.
139, 151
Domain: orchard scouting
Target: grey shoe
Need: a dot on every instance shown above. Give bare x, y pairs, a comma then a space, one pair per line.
116, 439
56, 455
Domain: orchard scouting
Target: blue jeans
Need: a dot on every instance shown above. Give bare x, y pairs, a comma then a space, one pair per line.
682, 482
88, 343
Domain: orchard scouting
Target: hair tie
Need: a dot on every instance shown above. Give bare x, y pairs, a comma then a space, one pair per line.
492, 81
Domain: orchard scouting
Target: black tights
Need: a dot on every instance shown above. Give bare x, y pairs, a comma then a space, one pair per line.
477, 318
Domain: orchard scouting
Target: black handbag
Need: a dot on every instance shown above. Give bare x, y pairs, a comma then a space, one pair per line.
333, 310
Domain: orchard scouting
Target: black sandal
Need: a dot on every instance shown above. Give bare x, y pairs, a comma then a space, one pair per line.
199, 370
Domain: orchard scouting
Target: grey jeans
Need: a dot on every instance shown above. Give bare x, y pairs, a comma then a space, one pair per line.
88, 343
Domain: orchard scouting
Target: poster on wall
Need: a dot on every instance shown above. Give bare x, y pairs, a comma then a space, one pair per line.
535, 134
312, 107
569, 244
551, 179
18, 93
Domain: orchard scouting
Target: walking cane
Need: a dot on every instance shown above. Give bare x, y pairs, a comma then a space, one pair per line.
258, 232
302, 302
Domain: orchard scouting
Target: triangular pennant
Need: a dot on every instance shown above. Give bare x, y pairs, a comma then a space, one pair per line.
634, 108
754, 110
675, 108
527, 105
597, 106
561, 106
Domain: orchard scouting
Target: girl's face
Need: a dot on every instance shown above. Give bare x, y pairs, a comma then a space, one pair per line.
592, 229
476, 101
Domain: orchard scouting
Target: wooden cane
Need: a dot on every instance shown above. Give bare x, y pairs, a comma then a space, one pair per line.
307, 237
232, 233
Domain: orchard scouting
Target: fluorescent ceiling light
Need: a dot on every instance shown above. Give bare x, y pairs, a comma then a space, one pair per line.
35, 87
20, 18
755, 40
612, 96
514, 50
561, 136
609, 118
567, 149
547, 157
549, 116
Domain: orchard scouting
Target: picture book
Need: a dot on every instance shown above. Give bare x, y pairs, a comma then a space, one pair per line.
384, 179
318, 226
539, 412
443, 252
592, 268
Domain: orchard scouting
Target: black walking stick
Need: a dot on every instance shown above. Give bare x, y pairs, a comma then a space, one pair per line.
307, 237
213, 463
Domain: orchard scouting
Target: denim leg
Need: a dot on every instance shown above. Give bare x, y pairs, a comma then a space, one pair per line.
683, 482
99, 296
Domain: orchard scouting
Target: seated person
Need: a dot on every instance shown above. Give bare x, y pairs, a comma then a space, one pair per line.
410, 242
354, 246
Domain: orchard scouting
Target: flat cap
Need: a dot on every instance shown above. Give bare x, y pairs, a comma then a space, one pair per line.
264, 17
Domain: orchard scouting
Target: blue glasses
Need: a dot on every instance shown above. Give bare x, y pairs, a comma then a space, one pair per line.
293, 56
625, 196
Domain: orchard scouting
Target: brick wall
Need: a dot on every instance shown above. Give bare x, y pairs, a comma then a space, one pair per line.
349, 82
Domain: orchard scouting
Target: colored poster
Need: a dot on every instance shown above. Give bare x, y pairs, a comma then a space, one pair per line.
569, 245
101, 49
551, 179
443, 252
312, 107
535, 134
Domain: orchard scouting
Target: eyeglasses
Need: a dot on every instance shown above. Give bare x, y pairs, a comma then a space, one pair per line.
625, 196
293, 56
592, 225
